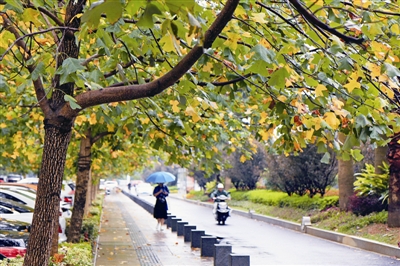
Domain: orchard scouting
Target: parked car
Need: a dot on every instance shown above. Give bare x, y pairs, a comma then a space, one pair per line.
13, 243
68, 193
23, 197
29, 190
30, 187
16, 211
3, 178
12, 210
13, 225
13, 178
29, 180
144, 189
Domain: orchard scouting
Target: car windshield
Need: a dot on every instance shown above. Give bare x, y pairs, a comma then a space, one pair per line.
16, 206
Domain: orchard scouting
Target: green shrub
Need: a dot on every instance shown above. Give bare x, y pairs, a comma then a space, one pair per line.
238, 195
197, 195
369, 183
266, 197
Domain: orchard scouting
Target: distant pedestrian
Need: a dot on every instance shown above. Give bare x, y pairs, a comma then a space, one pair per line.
129, 186
160, 209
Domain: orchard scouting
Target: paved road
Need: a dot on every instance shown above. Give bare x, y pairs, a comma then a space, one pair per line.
273, 245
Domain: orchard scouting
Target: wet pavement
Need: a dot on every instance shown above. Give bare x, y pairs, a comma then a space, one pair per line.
128, 236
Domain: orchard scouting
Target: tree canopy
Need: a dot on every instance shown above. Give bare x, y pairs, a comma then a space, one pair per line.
188, 76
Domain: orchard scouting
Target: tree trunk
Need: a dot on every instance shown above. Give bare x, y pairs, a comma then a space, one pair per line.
345, 179
394, 182
82, 183
88, 195
380, 157
47, 204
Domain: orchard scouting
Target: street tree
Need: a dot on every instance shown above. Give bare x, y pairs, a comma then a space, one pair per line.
247, 166
297, 72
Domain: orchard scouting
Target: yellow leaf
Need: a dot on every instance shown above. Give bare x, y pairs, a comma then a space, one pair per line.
352, 85
319, 90
145, 121
389, 92
263, 116
331, 119
3, 125
175, 107
190, 111
265, 43
374, 68
282, 98
110, 128
80, 119
215, 149
167, 43
264, 134
309, 134
259, 17
208, 67
243, 159
395, 28
92, 119
363, 3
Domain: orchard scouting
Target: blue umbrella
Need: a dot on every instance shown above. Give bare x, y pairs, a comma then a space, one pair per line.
160, 177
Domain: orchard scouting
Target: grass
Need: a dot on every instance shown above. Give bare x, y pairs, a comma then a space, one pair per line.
323, 216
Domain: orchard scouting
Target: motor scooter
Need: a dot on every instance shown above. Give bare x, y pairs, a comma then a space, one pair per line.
223, 211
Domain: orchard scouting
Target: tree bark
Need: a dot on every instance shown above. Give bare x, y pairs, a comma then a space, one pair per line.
345, 179
380, 157
82, 184
47, 204
394, 182
88, 196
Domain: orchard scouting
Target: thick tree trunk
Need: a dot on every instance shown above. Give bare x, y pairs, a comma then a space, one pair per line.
82, 184
345, 179
380, 157
394, 182
47, 205
88, 195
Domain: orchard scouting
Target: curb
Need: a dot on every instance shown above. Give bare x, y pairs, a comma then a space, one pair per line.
353, 241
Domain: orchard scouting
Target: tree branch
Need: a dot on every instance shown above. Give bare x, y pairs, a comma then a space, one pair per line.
131, 92
316, 22
100, 135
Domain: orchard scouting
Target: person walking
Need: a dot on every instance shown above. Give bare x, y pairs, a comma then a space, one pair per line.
160, 209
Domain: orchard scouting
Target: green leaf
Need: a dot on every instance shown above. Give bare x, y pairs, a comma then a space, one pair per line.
16, 4
391, 70
278, 78
39, 69
176, 6
72, 102
112, 9
262, 53
326, 158
147, 18
350, 142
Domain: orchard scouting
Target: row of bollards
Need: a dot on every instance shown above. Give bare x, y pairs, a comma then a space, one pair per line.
209, 246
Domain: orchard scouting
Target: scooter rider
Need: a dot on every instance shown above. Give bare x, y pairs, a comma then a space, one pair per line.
218, 192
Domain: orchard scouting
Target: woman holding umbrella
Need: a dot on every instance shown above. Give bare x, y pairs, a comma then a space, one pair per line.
160, 209
160, 192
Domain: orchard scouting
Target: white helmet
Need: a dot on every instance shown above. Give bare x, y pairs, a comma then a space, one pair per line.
220, 185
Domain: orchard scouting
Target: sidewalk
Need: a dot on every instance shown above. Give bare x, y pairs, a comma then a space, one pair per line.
128, 236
